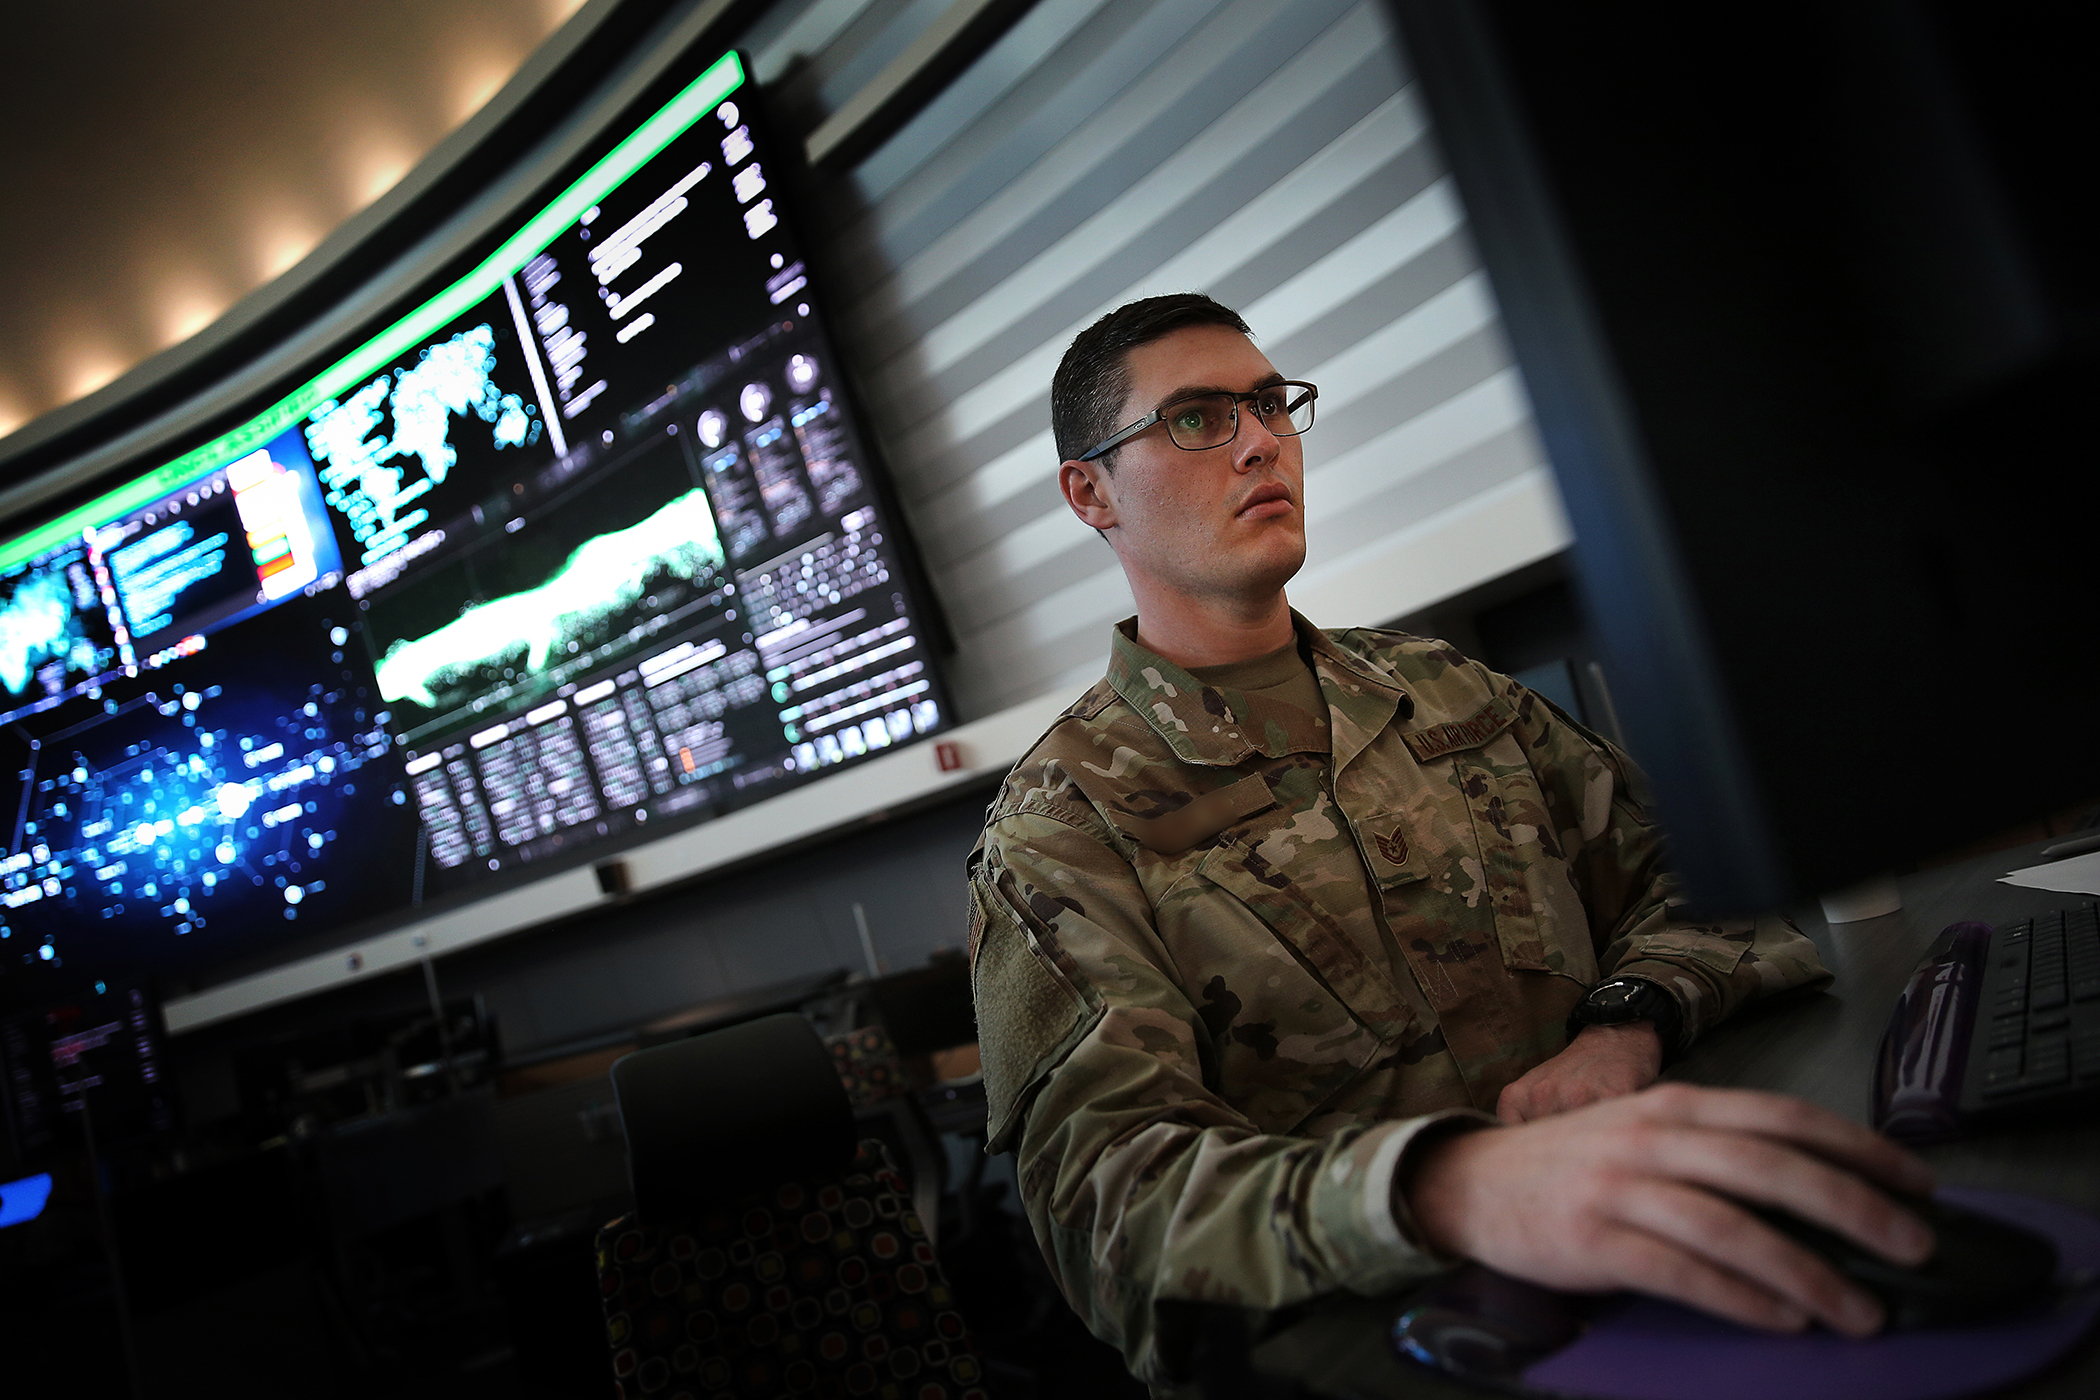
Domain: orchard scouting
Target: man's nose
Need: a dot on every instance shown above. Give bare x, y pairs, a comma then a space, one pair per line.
1255, 446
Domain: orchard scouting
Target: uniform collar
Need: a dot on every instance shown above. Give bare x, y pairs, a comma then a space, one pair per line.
1217, 725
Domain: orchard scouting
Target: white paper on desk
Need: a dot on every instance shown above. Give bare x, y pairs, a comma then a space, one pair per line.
2078, 875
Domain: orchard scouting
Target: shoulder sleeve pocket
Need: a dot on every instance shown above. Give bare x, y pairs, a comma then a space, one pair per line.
1028, 1017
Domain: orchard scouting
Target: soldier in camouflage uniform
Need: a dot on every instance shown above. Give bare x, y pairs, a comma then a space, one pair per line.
1251, 939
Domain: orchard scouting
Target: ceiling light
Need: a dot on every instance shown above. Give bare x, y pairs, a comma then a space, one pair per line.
281, 247
377, 171
186, 311
485, 81
90, 373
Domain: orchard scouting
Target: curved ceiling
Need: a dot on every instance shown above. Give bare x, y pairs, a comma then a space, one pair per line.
164, 161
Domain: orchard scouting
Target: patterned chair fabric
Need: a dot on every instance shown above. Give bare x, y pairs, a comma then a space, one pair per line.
825, 1289
868, 1065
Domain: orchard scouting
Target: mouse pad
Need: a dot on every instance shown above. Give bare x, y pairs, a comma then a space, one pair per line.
1652, 1350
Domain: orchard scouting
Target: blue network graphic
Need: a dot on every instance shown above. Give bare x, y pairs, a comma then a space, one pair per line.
450, 379
183, 805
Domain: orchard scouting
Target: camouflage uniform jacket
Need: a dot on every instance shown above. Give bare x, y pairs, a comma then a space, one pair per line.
1230, 958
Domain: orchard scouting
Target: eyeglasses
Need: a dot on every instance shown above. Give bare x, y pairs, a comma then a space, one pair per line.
1203, 421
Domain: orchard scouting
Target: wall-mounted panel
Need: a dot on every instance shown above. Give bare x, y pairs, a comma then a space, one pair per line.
1273, 154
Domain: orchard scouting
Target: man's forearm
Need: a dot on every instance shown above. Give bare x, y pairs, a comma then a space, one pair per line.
1715, 969
1281, 1219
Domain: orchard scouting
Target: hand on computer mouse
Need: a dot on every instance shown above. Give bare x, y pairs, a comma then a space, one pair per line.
1632, 1193
1983, 1269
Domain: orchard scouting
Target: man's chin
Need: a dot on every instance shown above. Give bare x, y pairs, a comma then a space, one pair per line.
1269, 571
1287, 554
1244, 571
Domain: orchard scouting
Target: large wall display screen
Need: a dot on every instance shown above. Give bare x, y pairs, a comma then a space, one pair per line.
585, 541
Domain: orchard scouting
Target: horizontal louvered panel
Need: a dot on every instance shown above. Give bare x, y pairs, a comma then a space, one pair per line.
1269, 152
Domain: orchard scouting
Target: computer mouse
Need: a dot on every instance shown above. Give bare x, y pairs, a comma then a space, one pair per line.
1982, 1269
1484, 1325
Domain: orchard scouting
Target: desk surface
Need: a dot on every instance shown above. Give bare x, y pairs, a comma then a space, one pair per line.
1821, 1047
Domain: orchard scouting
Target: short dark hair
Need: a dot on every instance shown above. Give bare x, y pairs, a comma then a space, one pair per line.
1093, 379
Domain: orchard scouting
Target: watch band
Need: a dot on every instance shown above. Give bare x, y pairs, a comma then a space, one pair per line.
1619, 1001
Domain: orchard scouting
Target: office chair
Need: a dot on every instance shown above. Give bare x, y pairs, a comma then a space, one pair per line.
768, 1253
884, 1107
868, 1065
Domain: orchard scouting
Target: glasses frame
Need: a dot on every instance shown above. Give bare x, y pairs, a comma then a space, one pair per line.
1159, 415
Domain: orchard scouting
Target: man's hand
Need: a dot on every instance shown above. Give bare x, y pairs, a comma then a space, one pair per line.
1602, 1062
1629, 1193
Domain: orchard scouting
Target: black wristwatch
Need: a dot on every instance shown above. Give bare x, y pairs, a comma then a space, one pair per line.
1622, 1000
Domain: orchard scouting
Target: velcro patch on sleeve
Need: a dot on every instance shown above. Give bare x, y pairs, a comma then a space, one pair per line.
1028, 1020
1439, 739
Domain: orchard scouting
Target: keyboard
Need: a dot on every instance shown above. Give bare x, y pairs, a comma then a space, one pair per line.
1995, 1026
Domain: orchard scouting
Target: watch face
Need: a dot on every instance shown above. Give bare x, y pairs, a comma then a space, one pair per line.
1628, 999
1612, 1002
1617, 996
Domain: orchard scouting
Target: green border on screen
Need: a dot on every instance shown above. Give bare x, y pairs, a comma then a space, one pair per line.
700, 97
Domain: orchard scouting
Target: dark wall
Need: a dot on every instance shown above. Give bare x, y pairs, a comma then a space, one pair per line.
787, 917
614, 970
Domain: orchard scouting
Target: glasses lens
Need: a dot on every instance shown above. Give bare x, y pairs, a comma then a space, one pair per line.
1285, 409
1201, 422
1293, 402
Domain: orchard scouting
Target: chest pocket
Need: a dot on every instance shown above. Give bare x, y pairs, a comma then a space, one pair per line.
1540, 923
1310, 1005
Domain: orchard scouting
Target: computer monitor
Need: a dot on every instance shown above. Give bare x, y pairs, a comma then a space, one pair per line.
1804, 299
578, 542
90, 1063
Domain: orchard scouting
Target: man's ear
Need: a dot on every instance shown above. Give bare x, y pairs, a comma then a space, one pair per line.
1085, 487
